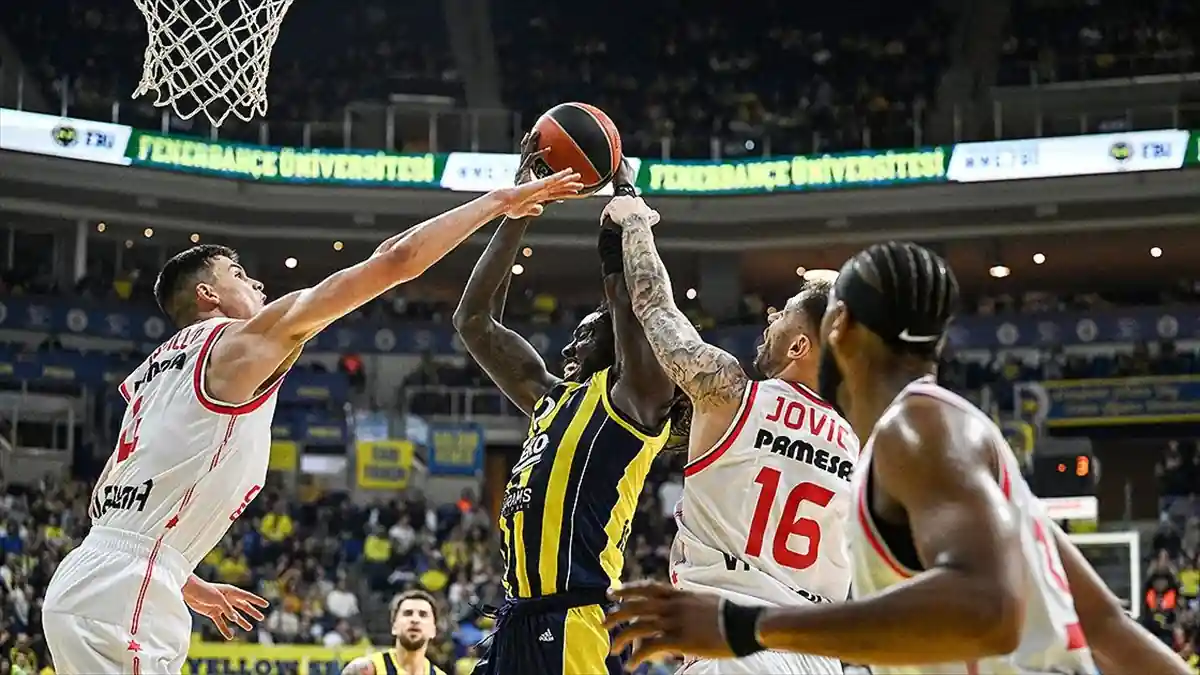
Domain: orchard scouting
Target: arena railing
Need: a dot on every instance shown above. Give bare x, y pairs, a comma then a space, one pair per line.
422, 124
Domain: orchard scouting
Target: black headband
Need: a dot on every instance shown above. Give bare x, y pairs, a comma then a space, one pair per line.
890, 321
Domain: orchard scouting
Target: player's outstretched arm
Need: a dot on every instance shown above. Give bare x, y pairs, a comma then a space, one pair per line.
643, 389
250, 352
509, 360
1121, 647
967, 605
710, 376
360, 666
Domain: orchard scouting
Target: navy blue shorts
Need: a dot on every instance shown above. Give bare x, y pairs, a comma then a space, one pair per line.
550, 636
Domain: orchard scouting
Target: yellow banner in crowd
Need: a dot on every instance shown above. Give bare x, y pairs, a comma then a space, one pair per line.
384, 465
210, 658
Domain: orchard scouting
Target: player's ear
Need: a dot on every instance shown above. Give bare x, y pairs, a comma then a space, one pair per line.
839, 324
800, 347
205, 293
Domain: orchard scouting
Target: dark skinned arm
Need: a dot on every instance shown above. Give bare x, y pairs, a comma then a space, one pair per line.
508, 359
1120, 646
967, 605
938, 464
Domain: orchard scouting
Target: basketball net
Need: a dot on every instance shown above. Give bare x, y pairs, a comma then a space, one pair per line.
210, 55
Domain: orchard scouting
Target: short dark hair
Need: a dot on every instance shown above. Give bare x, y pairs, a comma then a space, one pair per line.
814, 300
180, 274
414, 594
903, 292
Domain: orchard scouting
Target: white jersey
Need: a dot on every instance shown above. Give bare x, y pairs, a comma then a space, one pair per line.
185, 467
762, 513
1052, 640
186, 464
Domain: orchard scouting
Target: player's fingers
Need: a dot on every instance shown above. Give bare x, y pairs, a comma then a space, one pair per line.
236, 617
244, 606
634, 610
222, 627
648, 650
535, 210
251, 598
641, 630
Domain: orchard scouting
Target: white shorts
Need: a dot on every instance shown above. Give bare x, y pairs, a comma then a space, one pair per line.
115, 605
775, 663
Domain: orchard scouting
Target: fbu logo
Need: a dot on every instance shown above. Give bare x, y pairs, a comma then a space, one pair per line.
98, 139
1156, 150
250, 494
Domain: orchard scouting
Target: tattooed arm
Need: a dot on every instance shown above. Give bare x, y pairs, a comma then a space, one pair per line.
512, 363
360, 666
710, 376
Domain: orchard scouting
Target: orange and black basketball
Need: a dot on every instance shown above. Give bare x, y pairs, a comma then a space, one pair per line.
580, 137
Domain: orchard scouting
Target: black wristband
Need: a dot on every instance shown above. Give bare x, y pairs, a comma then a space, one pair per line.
624, 190
612, 259
739, 627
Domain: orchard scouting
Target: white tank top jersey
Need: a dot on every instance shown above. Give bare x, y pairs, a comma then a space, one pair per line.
186, 464
762, 515
1052, 640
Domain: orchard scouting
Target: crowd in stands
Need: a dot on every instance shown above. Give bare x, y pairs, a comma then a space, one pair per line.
1072, 40
781, 79
1172, 588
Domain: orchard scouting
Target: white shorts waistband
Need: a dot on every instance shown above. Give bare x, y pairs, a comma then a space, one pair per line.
165, 558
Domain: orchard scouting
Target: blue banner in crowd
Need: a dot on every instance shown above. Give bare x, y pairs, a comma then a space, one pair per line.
455, 449
1116, 401
406, 337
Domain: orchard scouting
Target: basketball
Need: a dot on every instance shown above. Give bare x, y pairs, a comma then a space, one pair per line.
580, 137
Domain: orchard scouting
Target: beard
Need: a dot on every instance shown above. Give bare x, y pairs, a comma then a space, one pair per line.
412, 644
829, 378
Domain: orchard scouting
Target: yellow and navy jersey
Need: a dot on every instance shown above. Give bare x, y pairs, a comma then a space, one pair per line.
572, 493
387, 662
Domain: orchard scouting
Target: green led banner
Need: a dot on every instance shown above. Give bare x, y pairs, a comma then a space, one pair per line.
283, 164
1193, 153
802, 172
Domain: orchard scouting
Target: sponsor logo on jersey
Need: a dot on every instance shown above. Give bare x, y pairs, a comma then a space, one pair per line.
515, 500
803, 451
736, 564
122, 497
158, 368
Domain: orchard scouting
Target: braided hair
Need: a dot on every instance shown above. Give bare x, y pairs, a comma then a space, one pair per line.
903, 292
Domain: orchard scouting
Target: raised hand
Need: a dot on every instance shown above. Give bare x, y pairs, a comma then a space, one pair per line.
629, 212
530, 152
527, 199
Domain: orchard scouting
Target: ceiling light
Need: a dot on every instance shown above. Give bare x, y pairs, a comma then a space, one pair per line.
527, 252
195, 238
1155, 252
290, 263
518, 269
1039, 258
691, 294
999, 271
148, 232
100, 227
800, 271
337, 245
128, 243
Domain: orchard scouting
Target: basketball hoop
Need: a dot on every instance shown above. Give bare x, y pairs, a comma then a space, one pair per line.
210, 55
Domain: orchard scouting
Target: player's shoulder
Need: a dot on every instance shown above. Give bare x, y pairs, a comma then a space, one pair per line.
931, 425
363, 665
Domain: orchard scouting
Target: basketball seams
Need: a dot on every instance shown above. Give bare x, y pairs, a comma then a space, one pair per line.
562, 130
610, 131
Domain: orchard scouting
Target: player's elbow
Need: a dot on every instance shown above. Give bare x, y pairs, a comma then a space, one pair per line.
402, 260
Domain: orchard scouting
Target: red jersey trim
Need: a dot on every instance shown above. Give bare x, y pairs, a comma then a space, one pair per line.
124, 389
739, 421
872, 534
215, 405
809, 394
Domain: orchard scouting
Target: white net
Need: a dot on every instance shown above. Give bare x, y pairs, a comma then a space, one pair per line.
210, 56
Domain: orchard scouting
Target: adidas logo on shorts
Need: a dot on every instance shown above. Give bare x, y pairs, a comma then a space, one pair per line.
546, 637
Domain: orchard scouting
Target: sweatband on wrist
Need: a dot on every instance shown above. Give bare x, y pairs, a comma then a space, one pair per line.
624, 190
739, 628
612, 260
